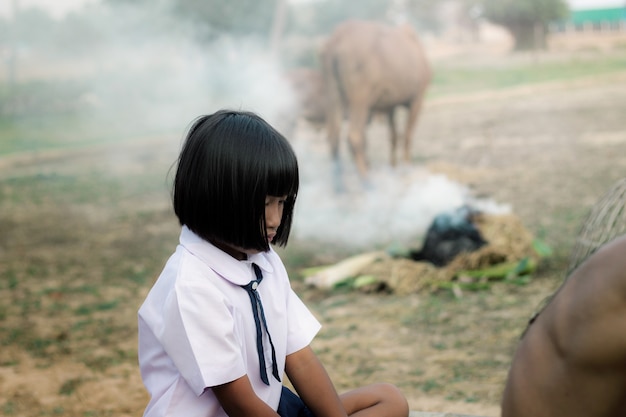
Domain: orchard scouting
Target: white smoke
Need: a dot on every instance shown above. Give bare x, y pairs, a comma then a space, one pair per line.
169, 83
397, 209
147, 82
141, 70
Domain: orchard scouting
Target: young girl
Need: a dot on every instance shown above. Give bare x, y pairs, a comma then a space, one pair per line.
221, 325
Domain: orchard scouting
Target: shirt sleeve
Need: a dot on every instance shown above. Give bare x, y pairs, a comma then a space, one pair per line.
303, 326
200, 336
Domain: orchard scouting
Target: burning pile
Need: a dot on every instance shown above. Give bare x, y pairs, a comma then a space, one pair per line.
509, 253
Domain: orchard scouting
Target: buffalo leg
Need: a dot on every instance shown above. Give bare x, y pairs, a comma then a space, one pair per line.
356, 138
334, 132
414, 114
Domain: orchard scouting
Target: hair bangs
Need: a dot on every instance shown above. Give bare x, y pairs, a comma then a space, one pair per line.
282, 178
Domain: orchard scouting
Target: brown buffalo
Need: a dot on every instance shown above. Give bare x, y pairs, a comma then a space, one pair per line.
371, 67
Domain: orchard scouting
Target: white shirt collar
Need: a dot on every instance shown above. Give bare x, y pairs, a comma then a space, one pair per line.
229, 268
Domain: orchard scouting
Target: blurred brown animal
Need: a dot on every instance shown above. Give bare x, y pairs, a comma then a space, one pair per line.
371, 67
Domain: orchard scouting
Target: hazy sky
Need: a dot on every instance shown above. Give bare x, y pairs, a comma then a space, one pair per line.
57, 8
591, 4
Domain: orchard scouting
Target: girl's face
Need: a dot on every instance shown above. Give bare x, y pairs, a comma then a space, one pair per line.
273, 216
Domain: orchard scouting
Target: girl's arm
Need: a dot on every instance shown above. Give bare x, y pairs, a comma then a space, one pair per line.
312, 383
238, 399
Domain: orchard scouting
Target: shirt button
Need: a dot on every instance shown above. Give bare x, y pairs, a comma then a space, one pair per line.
254, 285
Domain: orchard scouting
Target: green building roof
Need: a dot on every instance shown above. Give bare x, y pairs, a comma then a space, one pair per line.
614, 14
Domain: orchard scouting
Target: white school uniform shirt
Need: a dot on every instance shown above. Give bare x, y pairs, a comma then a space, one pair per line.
197, 330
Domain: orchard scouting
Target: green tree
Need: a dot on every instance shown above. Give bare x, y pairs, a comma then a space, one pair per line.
424, 14
212, 18
527, 20
240, 17
321, 17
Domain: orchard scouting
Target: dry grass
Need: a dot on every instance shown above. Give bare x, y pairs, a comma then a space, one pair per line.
79, 250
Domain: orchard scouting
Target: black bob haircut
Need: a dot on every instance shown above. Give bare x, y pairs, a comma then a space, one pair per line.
229, 163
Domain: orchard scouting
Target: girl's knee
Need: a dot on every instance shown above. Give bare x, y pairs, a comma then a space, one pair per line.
391, 395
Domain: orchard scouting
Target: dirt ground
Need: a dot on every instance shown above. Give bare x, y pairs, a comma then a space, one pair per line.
551, 151
67, 316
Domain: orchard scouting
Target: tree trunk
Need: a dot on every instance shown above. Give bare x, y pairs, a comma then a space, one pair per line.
528, 37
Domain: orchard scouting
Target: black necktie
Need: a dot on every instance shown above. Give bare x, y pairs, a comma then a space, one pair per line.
257, 310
